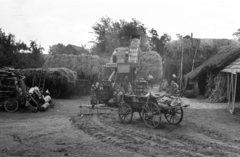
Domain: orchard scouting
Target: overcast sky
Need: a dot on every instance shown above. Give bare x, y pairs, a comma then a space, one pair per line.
70, 21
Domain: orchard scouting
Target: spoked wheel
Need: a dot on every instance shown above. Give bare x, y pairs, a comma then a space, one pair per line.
151, 115
174, 115
125, 113
11, 105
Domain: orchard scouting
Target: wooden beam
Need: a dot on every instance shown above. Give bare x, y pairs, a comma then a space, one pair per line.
234, 95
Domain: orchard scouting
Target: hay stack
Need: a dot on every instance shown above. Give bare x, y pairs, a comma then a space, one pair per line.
56, 78
216, 88
90, 65
201, 44
150, 63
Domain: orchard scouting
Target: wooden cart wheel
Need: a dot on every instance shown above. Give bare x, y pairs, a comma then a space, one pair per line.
151, 115
11, 105
125, 113
174, 115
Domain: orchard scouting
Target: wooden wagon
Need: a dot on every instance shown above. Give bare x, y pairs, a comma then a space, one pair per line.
150, 109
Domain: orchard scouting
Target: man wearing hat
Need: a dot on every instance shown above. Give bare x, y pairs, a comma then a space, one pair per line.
174, 78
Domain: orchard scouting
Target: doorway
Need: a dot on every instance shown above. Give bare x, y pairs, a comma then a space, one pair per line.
202, 82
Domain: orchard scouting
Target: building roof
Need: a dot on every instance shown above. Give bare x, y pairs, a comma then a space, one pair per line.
234, 67
224, 57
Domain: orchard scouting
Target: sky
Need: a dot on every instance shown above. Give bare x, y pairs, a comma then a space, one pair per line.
50, 22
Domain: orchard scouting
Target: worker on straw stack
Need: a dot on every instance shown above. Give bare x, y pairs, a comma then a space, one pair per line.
126, 57
114, 57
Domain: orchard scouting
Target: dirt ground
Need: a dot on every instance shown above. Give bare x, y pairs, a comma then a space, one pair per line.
206, 130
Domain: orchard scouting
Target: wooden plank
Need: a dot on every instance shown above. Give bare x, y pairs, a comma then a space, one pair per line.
123, 68
113, 65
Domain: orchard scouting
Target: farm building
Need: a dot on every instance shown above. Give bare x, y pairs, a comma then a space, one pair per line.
217, 78
192, 51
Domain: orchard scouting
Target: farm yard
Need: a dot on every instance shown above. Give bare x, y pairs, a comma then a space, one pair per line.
75, 86
207, 129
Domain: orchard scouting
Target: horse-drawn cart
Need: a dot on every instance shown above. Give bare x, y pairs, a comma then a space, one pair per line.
150, 109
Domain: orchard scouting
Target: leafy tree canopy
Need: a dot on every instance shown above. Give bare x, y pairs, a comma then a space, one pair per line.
236, 34
159, 42
12, 53
69, 49
112, 34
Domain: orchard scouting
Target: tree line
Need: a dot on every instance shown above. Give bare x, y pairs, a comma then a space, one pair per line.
111, 34
18, 54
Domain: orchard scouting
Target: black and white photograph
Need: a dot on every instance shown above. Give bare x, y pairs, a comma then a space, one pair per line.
119, 78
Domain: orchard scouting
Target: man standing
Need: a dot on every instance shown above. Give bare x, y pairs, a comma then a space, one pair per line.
174, 78
114, 57
150, 79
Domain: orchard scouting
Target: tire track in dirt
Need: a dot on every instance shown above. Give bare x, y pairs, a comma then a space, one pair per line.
107, 129
182, 142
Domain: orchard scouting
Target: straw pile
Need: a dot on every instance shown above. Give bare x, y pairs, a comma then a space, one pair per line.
200, 44
90, 65
216, 88
150, 63
56, 78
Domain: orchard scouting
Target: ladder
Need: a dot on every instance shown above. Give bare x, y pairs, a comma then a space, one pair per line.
42, 80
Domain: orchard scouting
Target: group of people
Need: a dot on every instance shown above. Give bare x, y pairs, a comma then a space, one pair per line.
174, 87
38, 100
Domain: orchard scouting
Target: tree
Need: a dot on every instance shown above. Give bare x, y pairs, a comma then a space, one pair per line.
69, 49
128, 29
236, 34
11, 53
153, 33
159, 43
57, 49
110, 35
